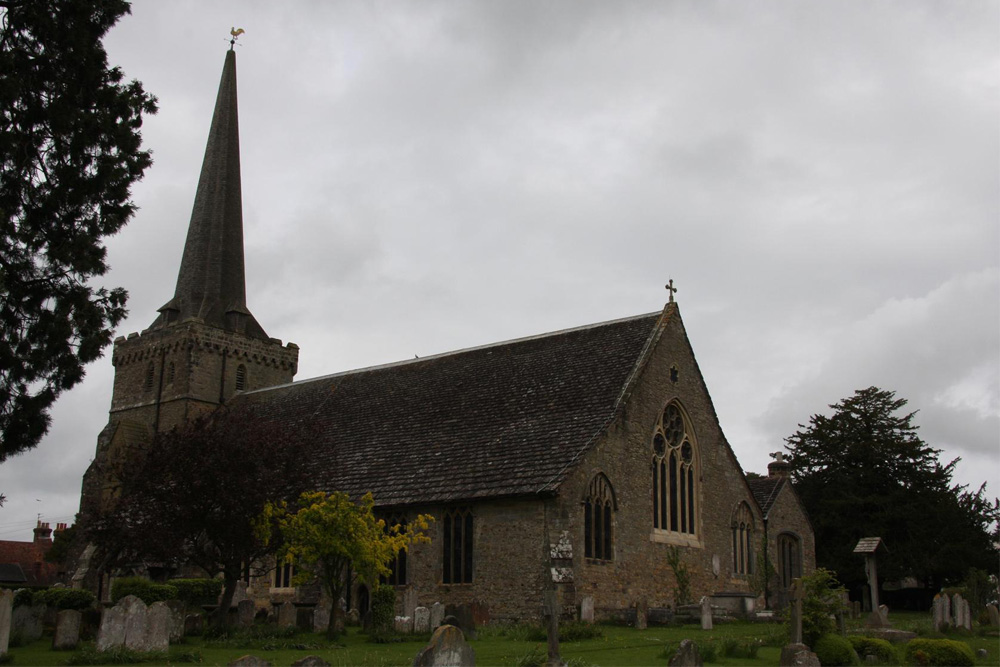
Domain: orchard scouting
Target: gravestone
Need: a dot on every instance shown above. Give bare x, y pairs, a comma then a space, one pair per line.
641, 614
994, 614
937, 614
286, 615
249, 661
111, 634
134, 621
958, 611
311, 661
466, 621
587, 609
797, 655
27, 621
706, 613
447, 648
321, 618
67, 634
421, 620
176, 620
403, 625
982, 653
437, 615
856, 609
966, 615
245, 612
687, 655
6, 614
157, 631
239, 595
409, 602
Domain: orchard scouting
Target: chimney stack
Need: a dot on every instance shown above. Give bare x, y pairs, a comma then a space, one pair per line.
43, 533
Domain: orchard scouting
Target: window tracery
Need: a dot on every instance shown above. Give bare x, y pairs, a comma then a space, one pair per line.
457, 538
598, 519
674, 473
743, 529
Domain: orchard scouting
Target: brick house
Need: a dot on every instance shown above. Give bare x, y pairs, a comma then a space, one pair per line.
23, 564
574, 460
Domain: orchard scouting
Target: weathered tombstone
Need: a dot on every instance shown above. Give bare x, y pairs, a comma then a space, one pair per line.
67, 634
311, 661
466, 621
403, 625
6, 612
587, 609
795, 614
409, 601
687, 655
157, 632
798, 655
249, 661
176, 608
112, 631
868, 546
883, 611
194, 625
437, 615
321, 618
994, 614
957, 611
447, 648
27, 621
239, 595
641, 614
706, 613
421, 620
966, 615
134, 619
937, 614
286, 615
245, 612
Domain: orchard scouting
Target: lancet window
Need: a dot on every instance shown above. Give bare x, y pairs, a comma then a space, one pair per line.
398, 564
789, 558
742, 527
598, 519
457, 537
675, 477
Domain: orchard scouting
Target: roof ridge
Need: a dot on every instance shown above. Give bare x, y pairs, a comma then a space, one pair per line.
441, 355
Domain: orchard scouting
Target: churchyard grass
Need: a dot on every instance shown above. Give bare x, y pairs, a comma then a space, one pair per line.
617, 645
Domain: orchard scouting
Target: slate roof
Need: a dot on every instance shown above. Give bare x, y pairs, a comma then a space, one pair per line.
765, 491
507, 419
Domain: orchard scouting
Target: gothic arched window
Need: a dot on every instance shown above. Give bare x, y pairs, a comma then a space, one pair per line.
675, 478
150, 376
742, 527
241, 377
397, 577
789, 559
598, 519
457, 533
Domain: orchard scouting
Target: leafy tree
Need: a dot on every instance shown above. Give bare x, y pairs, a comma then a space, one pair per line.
863, 471
69, 154
329, 536
193, 496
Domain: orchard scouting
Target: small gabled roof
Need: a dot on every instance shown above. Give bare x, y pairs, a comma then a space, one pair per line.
765, 491
507, 419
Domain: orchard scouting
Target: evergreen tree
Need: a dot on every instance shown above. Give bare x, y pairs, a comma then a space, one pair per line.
70, 150
865, 472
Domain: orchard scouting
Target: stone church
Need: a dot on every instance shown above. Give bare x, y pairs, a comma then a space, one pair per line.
581, 461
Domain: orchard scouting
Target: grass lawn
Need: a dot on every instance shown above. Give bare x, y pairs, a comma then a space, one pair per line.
616, 646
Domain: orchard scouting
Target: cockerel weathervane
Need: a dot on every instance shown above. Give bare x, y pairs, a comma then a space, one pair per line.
235, 32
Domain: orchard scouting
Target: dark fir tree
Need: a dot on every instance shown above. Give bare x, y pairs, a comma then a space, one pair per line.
864, 471
70, 150
192, 496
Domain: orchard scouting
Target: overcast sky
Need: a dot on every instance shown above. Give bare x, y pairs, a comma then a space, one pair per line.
821, 180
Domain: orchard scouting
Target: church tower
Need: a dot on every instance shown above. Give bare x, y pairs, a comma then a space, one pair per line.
205, 345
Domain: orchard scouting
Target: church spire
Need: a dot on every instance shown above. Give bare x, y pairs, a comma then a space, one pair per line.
211, 283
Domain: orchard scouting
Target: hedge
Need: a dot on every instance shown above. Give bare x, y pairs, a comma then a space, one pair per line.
144, 589
943, 652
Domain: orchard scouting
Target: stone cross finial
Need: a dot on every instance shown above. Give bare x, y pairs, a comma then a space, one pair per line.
670, 288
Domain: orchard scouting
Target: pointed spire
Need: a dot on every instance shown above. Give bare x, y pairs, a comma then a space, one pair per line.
211, 283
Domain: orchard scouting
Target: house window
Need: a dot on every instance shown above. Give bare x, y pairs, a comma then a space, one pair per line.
241, 377
150, 375
742, 527
398, 564
457, 532
789, 559
283, 575
598, 519
675, 459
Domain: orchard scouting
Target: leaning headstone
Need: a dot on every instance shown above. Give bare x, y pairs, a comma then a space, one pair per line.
27, 622
6, 612
245, 612
686, 656
403, 625
67, 634
112, 631
994, 614
249, 661
447, 648
134, 621
311, 661
706, 613
286, 615
797, 655
321, 618
641, 615
421, 620
587, 609
157, 632
437, 615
